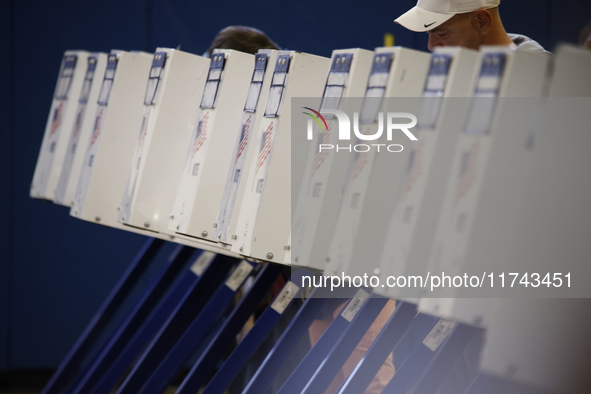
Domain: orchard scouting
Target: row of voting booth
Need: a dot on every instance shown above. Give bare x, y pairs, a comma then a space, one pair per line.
254, 163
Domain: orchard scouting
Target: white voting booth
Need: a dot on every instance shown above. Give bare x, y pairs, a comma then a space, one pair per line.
172, 96
208, 157
396, 72
145, 113
570, 77
225, 224
264, 221
106, 163
62, 117
81, 130
316, 209
490, 162
410, 224
199, 152
537, 341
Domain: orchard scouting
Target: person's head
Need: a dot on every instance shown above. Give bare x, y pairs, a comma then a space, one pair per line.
466, 23
241, 38
585, 36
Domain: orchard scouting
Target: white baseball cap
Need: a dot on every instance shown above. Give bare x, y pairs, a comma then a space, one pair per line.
428, 14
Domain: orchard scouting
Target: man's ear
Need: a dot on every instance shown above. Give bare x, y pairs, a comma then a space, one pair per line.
482, 20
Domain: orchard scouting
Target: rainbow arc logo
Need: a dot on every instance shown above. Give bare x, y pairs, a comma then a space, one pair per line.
317, 117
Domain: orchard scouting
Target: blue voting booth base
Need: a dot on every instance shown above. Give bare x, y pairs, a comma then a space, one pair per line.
182, 319
172, 360
71, 363
134, 319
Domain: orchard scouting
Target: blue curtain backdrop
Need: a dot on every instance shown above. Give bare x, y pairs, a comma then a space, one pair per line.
56, 270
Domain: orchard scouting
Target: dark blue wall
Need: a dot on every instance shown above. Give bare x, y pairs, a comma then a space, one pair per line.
55, 270
5, 171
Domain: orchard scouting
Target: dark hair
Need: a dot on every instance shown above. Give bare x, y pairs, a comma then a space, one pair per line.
585, 36
241, 38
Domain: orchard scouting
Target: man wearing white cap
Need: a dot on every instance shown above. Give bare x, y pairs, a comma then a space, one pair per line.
466, 23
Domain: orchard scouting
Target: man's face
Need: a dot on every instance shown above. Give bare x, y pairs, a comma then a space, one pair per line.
461, 30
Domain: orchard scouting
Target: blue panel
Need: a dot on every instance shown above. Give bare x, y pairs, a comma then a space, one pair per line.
521, 18
411, 357
224, 337
178, 322
134, 319
216, 346
104, 317
5, 167
248, 346
142, 338
342, 350
567, 19
327, 356
343, 24
288, 342
62, 267
477, 386
308, 25
163, 364
456, 365
192, 25
380, 349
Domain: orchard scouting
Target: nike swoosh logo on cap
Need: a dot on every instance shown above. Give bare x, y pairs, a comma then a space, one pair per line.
430, 24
